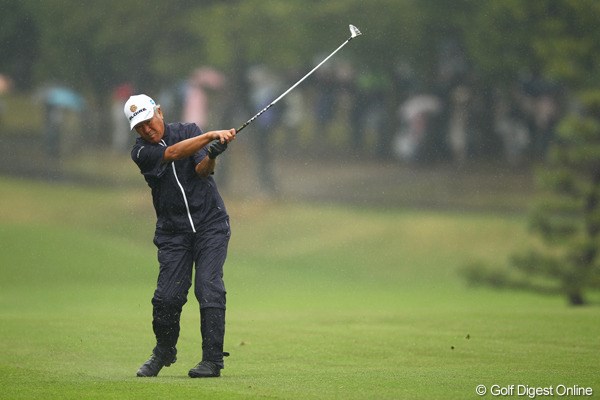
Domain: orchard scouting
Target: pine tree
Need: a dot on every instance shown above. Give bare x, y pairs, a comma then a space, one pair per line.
564, 258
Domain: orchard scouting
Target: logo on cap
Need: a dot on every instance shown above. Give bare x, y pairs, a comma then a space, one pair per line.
133, 108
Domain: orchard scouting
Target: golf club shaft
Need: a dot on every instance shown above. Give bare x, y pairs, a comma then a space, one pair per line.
291, 88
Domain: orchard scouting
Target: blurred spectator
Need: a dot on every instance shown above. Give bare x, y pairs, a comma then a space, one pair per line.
547, 114
5, 86
452, 64
367, 116
196, 101
510, 124
326, 95
542, 104
416, 115
459, 126
294, 113
265, 86
122, 138
60, 103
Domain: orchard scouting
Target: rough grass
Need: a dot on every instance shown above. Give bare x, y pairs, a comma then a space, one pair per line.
324, 302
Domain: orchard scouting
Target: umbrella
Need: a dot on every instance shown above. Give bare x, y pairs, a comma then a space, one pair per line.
63, 97
420, 104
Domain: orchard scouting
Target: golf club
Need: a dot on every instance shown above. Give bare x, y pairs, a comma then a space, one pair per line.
354, 32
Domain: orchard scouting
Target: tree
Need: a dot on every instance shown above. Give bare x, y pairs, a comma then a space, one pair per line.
95, 45
556, 40
565, 258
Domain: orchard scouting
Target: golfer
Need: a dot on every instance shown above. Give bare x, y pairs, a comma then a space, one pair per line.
192, 229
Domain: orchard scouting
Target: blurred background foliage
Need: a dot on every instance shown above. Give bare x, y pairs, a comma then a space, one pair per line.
433, 45
90, 45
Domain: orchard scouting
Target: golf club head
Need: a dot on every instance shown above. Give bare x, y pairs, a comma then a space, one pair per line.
354, 32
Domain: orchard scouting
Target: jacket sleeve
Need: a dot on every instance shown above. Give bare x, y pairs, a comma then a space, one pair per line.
149, 159
193, 130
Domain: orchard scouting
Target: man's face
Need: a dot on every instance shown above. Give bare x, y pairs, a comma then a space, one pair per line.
152, 130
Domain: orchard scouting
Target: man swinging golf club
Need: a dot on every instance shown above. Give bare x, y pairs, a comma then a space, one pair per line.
192, 229
192, 226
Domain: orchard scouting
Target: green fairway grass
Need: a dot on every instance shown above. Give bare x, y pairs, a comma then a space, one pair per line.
324, 302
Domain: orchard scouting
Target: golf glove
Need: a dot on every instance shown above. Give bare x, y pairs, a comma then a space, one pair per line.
216, 148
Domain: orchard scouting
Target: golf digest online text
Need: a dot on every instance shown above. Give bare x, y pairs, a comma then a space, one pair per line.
532, 392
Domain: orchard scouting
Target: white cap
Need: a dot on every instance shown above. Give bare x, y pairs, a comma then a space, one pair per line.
139, 108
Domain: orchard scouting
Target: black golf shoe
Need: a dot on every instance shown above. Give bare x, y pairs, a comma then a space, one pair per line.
153, 366
205, 369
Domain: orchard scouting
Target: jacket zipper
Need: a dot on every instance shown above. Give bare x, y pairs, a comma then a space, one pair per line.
187, 207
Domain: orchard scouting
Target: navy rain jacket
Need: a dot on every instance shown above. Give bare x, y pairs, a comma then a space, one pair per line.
184, 201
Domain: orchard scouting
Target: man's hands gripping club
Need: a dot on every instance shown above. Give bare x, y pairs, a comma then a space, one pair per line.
223, 137
188, 147
216, 147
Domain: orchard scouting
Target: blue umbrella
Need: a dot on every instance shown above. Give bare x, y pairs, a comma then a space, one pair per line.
64, 97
